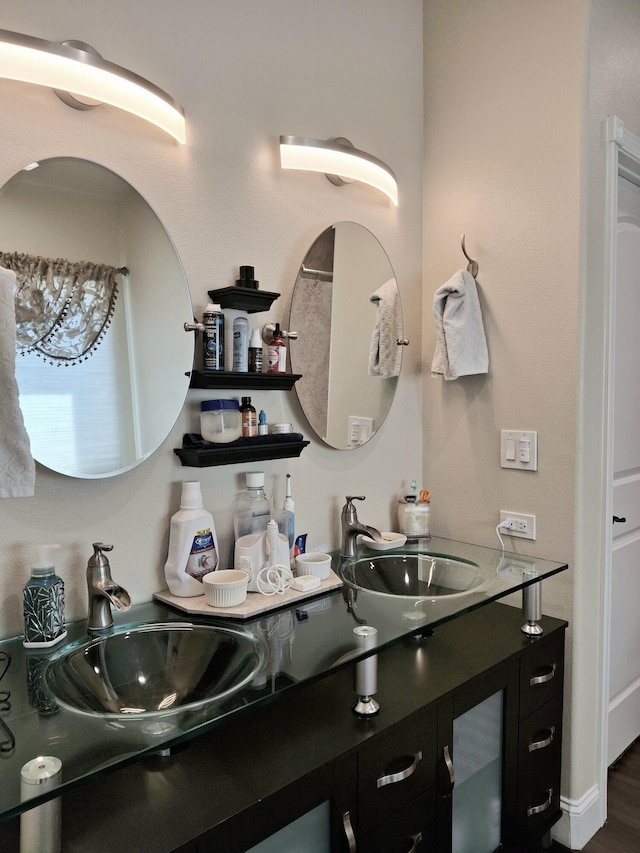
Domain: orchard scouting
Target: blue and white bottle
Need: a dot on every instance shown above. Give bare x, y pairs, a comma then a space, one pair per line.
43, 604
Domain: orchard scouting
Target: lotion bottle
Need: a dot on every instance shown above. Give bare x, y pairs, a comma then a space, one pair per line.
240, 345
43, 602
193, 545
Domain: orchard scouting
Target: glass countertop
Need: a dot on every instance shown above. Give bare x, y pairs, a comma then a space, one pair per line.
298, 644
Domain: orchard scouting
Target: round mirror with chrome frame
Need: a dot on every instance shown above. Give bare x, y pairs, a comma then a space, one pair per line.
102, 359
347, 312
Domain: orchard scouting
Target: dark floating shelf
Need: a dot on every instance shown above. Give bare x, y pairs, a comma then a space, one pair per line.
255, 381
243, 298
197, 457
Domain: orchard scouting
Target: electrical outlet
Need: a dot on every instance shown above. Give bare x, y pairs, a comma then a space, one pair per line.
520, 525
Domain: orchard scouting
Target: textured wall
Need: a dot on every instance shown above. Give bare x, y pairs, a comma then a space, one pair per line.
504, 85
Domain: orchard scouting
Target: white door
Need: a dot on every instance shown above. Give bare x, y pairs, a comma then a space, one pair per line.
624, 652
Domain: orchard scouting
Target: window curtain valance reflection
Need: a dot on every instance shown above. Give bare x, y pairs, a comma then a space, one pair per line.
63, 308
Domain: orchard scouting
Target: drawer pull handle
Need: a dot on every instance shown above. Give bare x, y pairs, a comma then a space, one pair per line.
546, 741
544, 677
392, 778
416, 839
449, 763
348, 831
542, 807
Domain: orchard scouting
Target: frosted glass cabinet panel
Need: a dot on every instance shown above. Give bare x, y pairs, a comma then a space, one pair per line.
477, 794
310, 833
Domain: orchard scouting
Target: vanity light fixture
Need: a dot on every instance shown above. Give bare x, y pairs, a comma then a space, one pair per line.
75, 67
339, 161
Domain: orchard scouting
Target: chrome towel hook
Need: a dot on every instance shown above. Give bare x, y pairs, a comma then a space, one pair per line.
472, 266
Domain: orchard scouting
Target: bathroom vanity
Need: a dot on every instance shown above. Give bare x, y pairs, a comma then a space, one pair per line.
466, 744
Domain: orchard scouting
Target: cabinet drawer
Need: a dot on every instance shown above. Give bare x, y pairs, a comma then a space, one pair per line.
539, 769
541, 673
411, 830
397, 768
540, 743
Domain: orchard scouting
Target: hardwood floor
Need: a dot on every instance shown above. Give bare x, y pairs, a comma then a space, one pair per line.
621, 832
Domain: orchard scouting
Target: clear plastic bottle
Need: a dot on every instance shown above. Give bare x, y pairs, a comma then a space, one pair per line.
252, 511
193, 546
43, 602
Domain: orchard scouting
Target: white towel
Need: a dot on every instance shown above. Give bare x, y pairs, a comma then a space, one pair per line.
17, 468
385, 355
461, 347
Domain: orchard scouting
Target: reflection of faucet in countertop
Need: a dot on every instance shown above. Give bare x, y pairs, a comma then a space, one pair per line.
351, 528
103, 591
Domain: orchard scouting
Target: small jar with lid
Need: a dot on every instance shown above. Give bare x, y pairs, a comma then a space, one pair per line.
414, 518
220, 421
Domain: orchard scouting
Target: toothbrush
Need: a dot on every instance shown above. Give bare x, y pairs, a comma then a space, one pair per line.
289, 507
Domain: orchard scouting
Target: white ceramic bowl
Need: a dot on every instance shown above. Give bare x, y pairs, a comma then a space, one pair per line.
389, 541
315, 563
225, 587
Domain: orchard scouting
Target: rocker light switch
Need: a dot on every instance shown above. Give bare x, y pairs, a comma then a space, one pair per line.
519, 449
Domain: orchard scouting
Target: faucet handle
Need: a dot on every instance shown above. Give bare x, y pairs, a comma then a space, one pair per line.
98, 558
349, 514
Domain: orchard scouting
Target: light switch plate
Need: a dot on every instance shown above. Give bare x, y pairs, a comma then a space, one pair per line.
519, 449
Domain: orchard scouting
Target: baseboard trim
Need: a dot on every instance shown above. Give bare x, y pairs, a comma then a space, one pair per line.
580, 820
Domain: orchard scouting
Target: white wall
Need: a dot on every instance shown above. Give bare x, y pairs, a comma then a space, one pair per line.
245, 71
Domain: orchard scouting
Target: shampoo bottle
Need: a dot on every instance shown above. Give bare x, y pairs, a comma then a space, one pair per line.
43, 602
193, 545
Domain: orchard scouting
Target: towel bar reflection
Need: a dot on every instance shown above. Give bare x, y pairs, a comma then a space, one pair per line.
472, 266
319, 275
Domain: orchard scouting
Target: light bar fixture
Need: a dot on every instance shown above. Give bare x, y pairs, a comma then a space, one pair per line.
339, 161
76, 69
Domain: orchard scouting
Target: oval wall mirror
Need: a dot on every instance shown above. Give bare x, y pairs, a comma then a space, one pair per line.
101, 299
347, 313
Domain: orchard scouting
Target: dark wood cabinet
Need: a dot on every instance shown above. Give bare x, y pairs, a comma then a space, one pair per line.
385, 784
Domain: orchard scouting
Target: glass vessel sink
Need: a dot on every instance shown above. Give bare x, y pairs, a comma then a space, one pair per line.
413, 575
152, 670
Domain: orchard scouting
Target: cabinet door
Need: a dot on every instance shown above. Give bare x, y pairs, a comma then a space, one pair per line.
411, 830
477, 754
303, 816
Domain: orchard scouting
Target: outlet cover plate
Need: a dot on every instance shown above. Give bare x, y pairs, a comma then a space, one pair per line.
528, 522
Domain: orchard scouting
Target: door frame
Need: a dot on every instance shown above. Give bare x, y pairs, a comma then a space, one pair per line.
622, 160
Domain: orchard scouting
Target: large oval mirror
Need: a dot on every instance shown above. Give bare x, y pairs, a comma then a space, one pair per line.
101, 298
347, 313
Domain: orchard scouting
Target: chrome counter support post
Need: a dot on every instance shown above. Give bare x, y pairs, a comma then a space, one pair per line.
532, 605
366, 675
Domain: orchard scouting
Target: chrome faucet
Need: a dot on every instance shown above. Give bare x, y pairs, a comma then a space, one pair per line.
103, 592
351, 528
